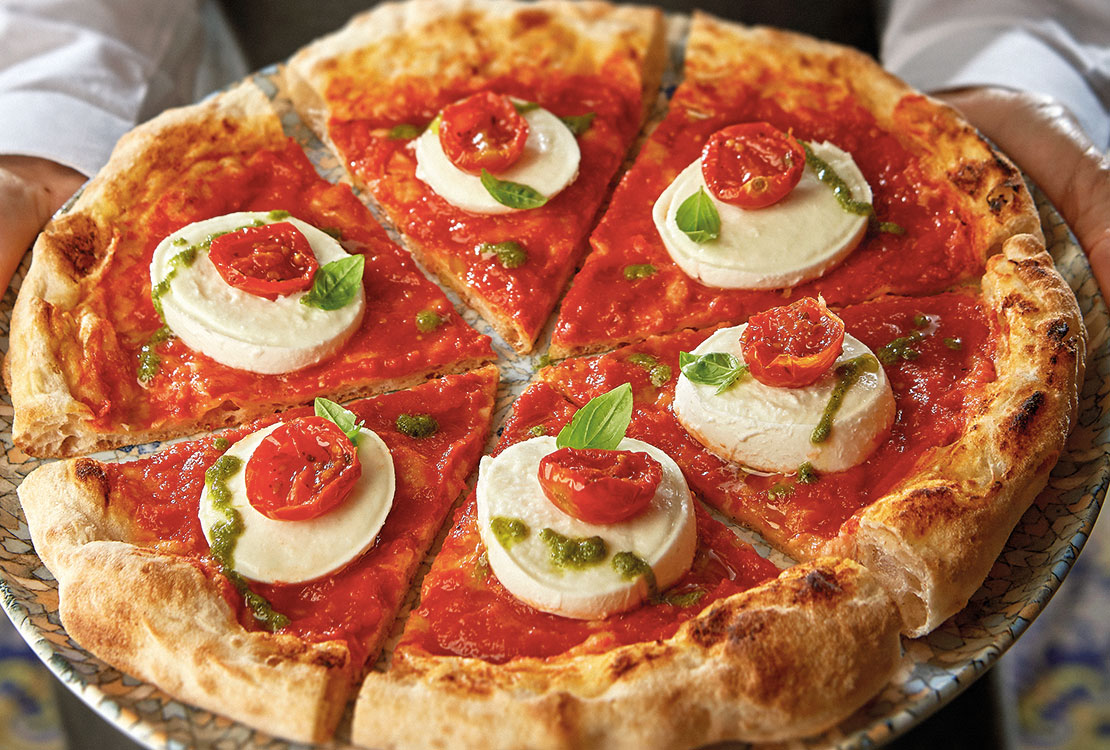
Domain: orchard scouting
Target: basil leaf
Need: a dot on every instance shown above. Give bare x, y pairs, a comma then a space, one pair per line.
697, 217
601, 423
716, 368
512, 194
343, 419
579, 124
336, 283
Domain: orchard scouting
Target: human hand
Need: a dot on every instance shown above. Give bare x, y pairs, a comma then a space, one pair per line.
31, 190
1043, 138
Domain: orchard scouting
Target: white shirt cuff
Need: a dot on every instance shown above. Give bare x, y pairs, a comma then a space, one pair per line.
84, 141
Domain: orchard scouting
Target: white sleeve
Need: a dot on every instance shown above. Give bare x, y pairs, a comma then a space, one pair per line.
1061, 48
75, 75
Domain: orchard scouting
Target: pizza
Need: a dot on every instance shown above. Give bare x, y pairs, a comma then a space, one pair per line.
126, 331
487, 132
816, 306
941, 199
273, 617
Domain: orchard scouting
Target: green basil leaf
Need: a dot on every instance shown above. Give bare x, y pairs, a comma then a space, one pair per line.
716, 368
697, 217
579, 124
336, 283
601, 423
511, 194
343, 419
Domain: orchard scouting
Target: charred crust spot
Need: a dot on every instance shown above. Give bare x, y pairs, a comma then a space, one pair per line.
466, 682
1003, 195
1027, 412
926, 506
91, 472
968, 177
819, 586
1058, 330
532, 19
711, 628
1019, 303
79, 247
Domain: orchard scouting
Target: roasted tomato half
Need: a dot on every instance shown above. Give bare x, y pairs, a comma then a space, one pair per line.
600, 486
301, 470
752, 165
793, 345
482, 131
267, 261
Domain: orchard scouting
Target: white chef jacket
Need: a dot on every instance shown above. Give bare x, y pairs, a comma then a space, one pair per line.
1061, 48
75, 75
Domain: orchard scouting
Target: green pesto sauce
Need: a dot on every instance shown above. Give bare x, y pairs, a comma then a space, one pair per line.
481, 569
579, 552
901, 348
658, 373
149, 360
538, 430
848, 374
778, 491
638, 271
509, 254
807, 474
629, 565
508, 531
184, 258
221, 443
417, 425
278, 215
954, 343
225, 535
428, 320
826, 174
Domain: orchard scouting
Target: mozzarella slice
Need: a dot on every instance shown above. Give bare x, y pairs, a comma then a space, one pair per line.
549, 163
243, 330
664, 536
769, 428
797, 239
272, 551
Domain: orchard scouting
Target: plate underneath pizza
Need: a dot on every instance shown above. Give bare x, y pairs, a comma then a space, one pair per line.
934, 669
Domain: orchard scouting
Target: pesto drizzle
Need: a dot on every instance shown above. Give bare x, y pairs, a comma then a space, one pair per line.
848, 374
843, 193
150, 362
508, 531
658, 373
574, 552
225, 535
629, 565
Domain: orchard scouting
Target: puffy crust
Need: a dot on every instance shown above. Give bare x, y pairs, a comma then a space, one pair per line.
989, 185
161, 618
791, 657
932, 543
445, 41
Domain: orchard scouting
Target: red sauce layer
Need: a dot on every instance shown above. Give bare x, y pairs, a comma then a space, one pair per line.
933, 393
357, 604
450, 238
465, 611
189, 385
936, 251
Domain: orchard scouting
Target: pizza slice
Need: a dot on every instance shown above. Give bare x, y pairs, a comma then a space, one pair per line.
582, 585
488, 132
256, 572
208, 275
909, 433
784, 167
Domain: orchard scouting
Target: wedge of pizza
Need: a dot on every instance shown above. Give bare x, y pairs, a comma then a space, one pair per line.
256, 572
206, 276
788, 166
488, 132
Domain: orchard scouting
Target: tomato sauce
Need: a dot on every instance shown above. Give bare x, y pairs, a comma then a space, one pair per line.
937, 249
465, 611
189, 385
932, 393
357, 604
551, 235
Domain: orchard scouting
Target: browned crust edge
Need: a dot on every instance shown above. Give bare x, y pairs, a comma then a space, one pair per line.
160, 618
635, 30
933, 541
789, 658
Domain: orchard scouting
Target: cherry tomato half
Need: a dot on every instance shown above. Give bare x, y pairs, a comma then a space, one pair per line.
302, 470
267, 261
793, 345
599, 486
482, 131
752, 165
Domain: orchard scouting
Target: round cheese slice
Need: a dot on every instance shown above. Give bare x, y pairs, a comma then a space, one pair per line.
769, 428
796, 239
272, 551
664, 536
549, 163
239, 329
